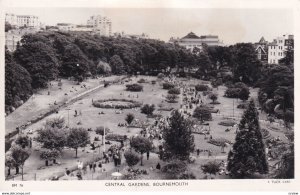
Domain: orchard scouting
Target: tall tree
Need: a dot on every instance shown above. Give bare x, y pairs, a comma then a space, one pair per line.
178, 138
78, 137
117, 64
19, 156
248, 152
141, 145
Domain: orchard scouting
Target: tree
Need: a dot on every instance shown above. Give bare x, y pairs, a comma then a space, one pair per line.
129, 118
246, 66
56, 122
117, 65
211, 167
213, 97
8, 26
17, 84
49, 155
132, 158
203, 113
101, 131
9, 162
248, 152
77, 137
19, 156
179, 141
51, 138
22, 140
39, 59
244, 93
148, 109
141, 145
288, 59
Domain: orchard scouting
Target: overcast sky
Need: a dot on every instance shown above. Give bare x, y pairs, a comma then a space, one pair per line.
231, 25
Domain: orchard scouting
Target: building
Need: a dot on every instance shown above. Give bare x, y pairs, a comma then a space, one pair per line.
65, 26
22, 20
131, 36
12, 40
15, 35
276, 49
191, 41
261, 50
101, 25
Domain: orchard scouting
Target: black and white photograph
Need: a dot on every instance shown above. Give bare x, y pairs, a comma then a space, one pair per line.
108, 93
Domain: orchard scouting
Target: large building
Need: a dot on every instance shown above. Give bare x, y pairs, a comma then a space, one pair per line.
191, 41
276, 49
22, 20
101, 25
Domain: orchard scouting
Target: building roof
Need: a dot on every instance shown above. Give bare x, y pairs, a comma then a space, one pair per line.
262, 40
191, 35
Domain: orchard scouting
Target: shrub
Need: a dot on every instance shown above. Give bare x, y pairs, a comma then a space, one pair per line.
134, 87
132, 158
232, 92
203, 113
57, 122
153, 82
160, 76
168, 85
171, 98
187, 176
141, 80
148, 109
211, 167
174, 168
174, 91
201, 87
244, 93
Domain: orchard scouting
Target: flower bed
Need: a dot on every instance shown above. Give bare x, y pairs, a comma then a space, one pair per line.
219, 141
229, 123
116, 103
116, 137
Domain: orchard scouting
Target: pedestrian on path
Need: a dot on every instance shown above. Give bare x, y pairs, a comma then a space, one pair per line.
91, 166
198, 152
148, 155
158, 166
94, 166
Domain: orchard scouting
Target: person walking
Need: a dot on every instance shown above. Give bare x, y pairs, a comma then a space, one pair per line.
148, 155
91, 166
158, 166
94, 167
198, 152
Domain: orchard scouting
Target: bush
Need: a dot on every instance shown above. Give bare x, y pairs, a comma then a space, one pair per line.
201, 87
174, 168
213, 97
142, 80
244, 93
203, 113
134, 87
174, 91
148, 109
187, 176
132, 158
160, 76
211, 167
168, 85
153, 82
232, 92
171, 98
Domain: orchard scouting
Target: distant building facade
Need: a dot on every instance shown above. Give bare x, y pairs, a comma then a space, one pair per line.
191, 41
276, 49
131, 36
101, 25
261, 50
22, 20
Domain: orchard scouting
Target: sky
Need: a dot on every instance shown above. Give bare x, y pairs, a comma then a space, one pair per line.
231, 25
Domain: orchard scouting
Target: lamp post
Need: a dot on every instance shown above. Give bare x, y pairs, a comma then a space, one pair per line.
68, 109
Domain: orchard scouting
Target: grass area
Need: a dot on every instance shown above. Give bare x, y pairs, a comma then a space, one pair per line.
91, 117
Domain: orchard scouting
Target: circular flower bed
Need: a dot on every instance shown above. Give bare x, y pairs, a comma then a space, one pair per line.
219, 141
116, 103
